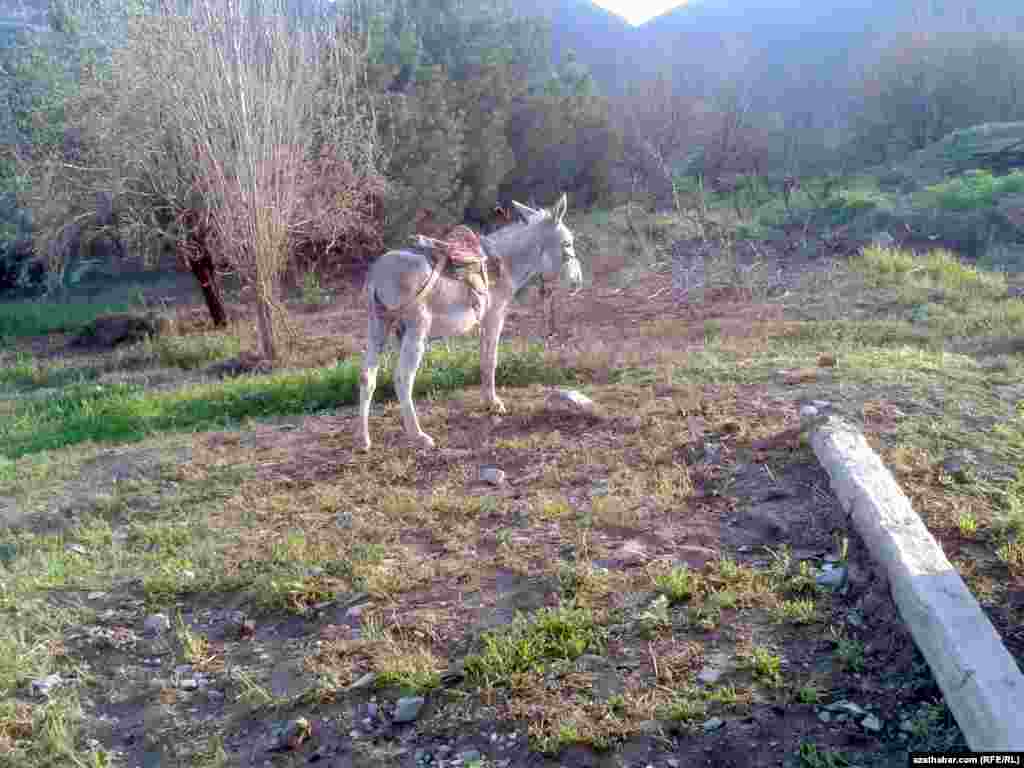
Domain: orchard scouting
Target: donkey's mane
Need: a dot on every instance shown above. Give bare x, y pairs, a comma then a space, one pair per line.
514, 229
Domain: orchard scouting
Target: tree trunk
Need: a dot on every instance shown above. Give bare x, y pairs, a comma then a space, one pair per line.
202, 267
194, 251
265, 328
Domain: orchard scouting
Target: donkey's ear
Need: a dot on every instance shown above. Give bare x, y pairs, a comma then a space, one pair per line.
524, 210
560, 208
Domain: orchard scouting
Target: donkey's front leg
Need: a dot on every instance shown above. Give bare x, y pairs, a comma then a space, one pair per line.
414, 345
490, 333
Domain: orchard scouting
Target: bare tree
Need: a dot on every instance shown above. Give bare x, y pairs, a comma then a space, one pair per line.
659, 122
249, 101
233, 133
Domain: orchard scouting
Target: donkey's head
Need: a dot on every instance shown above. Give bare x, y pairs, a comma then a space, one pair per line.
557, 249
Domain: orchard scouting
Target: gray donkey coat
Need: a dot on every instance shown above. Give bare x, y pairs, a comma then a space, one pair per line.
405, 292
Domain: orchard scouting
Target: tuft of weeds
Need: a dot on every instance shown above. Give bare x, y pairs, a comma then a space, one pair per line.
932, 728
706, 617
678, 584
413, 668
1011, 554
849, 652
552, 634
797, 611
190, 352
655, 618
967, 524
808, 694
684, 710
939, 270
811, 757
764, 665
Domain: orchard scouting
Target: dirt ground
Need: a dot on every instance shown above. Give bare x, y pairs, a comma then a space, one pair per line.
594, 505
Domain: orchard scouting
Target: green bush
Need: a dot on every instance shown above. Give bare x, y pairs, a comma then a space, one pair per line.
972, 191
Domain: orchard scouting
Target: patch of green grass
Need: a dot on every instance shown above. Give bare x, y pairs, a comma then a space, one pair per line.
850, 653
678, 585
932, 728
38, 318
189, 352
26, 373
655, 618
972, 191
938, 270
122, 413
808, 694
797, 611
564, 633
685, 710
811, 757
765, 666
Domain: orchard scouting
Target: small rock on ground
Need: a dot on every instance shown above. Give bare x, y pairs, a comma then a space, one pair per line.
408, 709
156, 624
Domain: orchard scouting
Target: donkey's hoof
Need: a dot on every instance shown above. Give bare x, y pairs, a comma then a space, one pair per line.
496, 406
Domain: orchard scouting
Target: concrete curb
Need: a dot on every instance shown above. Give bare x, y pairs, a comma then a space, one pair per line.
979, 679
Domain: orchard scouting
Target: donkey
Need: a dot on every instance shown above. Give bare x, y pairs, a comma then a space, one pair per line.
406, 293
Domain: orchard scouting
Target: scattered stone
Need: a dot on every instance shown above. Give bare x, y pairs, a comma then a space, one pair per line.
364, 682
672, 763
95, 595
871, 723
44, 685
713, 724
825, 717
848, 707
492, 475
343, 519
821, 404
832, 576
189, 684
356, 611
808, 412
570, 397
709, 675
599, 487
78, 549
156, 624
407, 709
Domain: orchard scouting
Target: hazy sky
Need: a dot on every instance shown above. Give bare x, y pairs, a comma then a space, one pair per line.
638, 11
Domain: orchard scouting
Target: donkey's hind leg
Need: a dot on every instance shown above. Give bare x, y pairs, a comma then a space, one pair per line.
414, 345
377, 335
